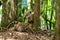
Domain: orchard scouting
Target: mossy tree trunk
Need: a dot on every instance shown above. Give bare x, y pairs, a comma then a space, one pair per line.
36, 16
9, 11
14, 8
20, 6
57, 30
4, 21
31, 4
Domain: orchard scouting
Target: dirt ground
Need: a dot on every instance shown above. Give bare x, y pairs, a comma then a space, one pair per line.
24, 36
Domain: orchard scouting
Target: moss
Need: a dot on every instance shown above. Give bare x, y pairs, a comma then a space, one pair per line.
4, 25
35, 27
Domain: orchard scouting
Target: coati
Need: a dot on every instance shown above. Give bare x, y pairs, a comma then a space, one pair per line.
10, 26
20, 26
15, 26
29, 16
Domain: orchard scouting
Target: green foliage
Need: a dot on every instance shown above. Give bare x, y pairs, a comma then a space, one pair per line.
49, 14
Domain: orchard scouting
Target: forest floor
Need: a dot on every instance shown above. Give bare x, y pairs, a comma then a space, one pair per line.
25, 36
15, 35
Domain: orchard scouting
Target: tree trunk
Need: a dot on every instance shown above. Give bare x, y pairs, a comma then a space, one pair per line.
9, 12
57, 33
36, 16
20, 7
31, 4
14, 8
4, 21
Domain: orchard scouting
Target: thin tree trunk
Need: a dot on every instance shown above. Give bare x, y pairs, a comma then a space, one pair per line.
20, 7
31, 4
57, 35
36, 16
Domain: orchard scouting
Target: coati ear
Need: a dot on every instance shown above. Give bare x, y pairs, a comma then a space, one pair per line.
0, 3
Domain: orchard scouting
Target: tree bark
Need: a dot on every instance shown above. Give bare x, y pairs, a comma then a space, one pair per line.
4, 21
31, 4
20, 7
9, 12
57, 30
14, 8
36, 16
